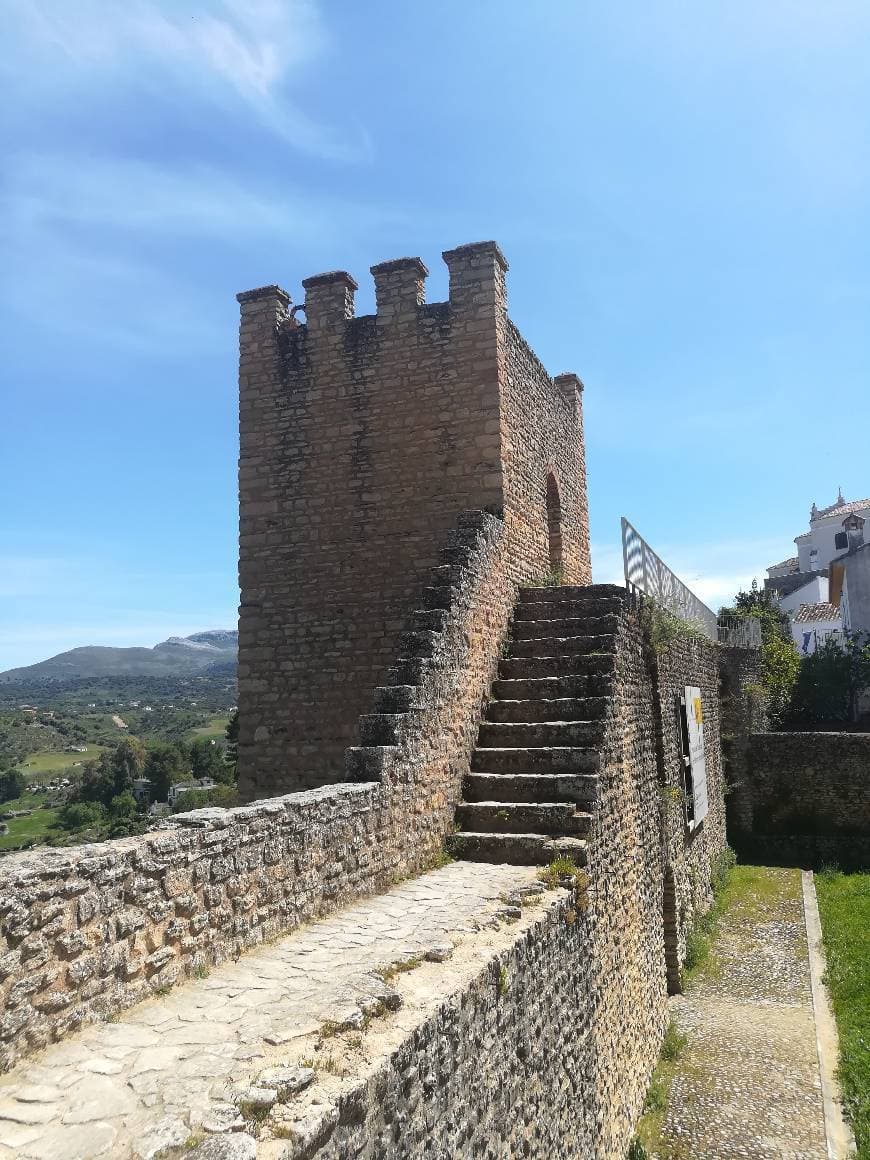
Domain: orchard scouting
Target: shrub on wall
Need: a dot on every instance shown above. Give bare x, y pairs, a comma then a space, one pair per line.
780, 660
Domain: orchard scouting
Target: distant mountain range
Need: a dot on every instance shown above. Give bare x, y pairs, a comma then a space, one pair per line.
177, 656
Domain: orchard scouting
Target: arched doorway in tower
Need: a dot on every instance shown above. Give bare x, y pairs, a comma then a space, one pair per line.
554, 524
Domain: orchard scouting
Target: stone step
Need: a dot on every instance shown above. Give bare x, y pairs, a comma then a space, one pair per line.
564, 593
551, 688
554, 610
533, 735
497, 817
578, 788
564, 759
548, 709
396, 698
515, 849
556, 646
534, 668
564, 627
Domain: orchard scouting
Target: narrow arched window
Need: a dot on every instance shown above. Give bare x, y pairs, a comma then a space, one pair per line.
554, 524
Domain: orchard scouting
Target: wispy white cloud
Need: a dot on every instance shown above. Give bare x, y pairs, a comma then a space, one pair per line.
55, 191
242, 54
103, 231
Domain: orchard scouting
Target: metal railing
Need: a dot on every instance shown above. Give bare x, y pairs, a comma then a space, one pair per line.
648, 574
740, 631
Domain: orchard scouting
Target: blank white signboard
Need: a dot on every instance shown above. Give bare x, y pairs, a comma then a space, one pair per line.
695, 718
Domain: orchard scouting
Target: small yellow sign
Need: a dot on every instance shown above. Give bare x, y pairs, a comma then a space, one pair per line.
699, 712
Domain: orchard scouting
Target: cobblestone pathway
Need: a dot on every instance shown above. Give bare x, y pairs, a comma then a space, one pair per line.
167, 1067
748, 1084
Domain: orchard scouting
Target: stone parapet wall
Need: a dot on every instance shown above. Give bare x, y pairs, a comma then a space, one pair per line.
742, 700
548, 1050
691, 858
91, 930
504, 1065
627, 1005
806, 797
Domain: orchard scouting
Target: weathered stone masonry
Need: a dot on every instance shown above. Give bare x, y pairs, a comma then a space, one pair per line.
361, 441
91, 930
805, 797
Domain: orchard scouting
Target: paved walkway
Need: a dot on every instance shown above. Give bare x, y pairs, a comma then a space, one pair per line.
171, 1067
748, 1084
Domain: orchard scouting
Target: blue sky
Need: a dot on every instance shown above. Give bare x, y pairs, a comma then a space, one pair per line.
681, 190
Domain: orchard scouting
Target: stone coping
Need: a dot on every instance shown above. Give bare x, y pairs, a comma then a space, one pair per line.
196, 1060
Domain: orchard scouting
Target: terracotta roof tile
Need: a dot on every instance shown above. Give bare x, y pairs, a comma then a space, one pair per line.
807, 613
843, 509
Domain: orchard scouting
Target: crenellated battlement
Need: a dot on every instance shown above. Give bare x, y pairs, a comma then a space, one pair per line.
477, 287
361, 439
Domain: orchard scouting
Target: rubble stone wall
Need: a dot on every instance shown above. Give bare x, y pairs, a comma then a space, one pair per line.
806, 797
91, 930
627, 1004
505, 1066
691, 857
549, 1050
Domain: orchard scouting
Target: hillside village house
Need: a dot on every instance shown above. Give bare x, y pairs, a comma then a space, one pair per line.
850, 577
814, 588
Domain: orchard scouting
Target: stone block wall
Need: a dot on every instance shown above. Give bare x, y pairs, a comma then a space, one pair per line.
361, 438
805, 797
91, 930
627, 992
542, 447
504, 1067
549, 1050
690, 857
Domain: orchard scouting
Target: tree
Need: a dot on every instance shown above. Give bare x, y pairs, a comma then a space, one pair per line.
832, 678
12, 785
231, 753
195, 799
780, 660
206, 760
127, 763
164, 764
123, 807
113, 772
82, 815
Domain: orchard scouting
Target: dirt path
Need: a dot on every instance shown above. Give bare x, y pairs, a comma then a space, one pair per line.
747, 1084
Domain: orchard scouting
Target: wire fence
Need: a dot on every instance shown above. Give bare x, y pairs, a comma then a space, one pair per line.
647, 574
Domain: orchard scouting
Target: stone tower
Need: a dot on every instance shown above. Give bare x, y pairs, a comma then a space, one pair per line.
362, 439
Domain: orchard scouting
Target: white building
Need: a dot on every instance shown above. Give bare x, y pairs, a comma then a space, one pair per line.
182, 787
826, 537
850, 578
802, 583
812, 624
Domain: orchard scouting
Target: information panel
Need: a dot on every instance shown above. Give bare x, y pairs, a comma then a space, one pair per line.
695, 721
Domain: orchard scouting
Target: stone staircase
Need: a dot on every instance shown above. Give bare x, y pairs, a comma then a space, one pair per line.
534, 774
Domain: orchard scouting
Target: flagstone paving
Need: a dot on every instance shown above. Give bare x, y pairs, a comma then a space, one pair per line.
170, 1067
748, 1084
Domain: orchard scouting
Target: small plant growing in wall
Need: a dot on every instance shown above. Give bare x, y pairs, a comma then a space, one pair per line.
661, 629
559, 869
503, 981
